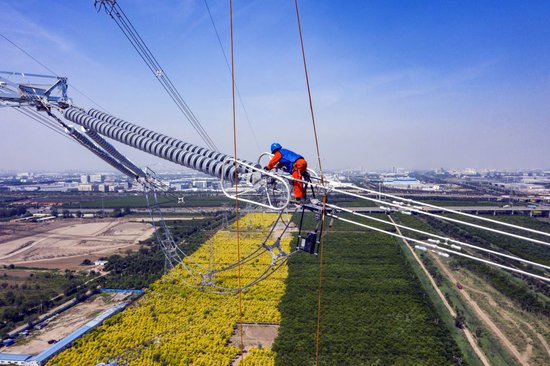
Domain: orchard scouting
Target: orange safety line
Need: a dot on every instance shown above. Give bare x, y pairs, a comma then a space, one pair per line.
318, 331
236, 182
309, 92
319, 290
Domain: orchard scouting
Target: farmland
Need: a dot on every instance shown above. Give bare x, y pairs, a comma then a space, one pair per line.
25, 294
176, 324
28, 291
139, 269
65, 323
374, 310
66, 243
507, 315
138, 201
509, 285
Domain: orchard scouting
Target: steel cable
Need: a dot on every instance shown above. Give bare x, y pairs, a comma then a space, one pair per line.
547, 279
130, 32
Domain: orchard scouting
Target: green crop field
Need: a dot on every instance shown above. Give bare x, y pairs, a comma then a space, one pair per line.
518, 290
138, 201
526, 294
374, 309
26, 293
527, 250
454, 202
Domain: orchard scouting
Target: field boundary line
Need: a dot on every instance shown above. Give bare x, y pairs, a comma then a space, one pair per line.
469, 336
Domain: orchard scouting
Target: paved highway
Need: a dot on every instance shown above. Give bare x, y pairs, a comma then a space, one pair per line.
544, 209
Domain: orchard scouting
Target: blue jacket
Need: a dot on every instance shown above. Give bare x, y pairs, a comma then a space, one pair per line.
288, 159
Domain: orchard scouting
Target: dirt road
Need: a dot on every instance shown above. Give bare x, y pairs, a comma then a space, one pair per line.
486, 319
469, 336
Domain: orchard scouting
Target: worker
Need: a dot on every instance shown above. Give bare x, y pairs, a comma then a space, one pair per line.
292, 163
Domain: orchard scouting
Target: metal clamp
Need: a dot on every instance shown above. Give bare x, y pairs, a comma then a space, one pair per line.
256, 182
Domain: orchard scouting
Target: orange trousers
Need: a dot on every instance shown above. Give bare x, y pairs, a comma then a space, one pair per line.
299, 168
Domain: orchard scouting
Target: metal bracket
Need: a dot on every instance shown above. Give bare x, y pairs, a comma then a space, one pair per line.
36, 94
256, 182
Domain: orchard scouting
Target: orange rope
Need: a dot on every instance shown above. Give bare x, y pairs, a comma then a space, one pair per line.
309, 91
320, 288
236, 181
318, 331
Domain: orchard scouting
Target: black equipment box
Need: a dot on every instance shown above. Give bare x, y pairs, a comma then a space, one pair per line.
308, 243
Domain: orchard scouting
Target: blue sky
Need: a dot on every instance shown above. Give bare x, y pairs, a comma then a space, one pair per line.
420, 84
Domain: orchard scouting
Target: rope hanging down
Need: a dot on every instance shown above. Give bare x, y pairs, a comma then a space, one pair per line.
209, 162
236, 179
321, 258
196, 158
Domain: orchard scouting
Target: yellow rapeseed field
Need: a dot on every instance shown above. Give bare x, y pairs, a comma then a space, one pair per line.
174, 324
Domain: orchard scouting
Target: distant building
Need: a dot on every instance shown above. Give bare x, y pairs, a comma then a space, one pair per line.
45, 218
469, 171
409, 183
200, 184
24, 175
84, 179
105, 188
185, 185
97, 178
88, 188
215, 185
14, 359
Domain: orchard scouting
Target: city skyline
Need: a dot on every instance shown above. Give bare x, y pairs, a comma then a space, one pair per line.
426, 86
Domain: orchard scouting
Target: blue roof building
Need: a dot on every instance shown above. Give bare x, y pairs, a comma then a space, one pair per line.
13, 359
66, 342
42, 357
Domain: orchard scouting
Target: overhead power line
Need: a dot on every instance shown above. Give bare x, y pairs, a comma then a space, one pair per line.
125, 25
444, 240
445, 250
26, 111
411, 201
447, 218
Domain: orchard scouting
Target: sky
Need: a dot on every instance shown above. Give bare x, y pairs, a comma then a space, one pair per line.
415, 85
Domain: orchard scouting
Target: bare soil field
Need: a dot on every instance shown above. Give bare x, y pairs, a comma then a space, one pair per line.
166, 217
254, 335
65, 324
66, 243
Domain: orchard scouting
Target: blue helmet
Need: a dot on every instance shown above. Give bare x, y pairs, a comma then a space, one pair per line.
275, 146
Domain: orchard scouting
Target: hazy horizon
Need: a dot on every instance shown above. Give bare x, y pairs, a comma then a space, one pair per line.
426, 86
